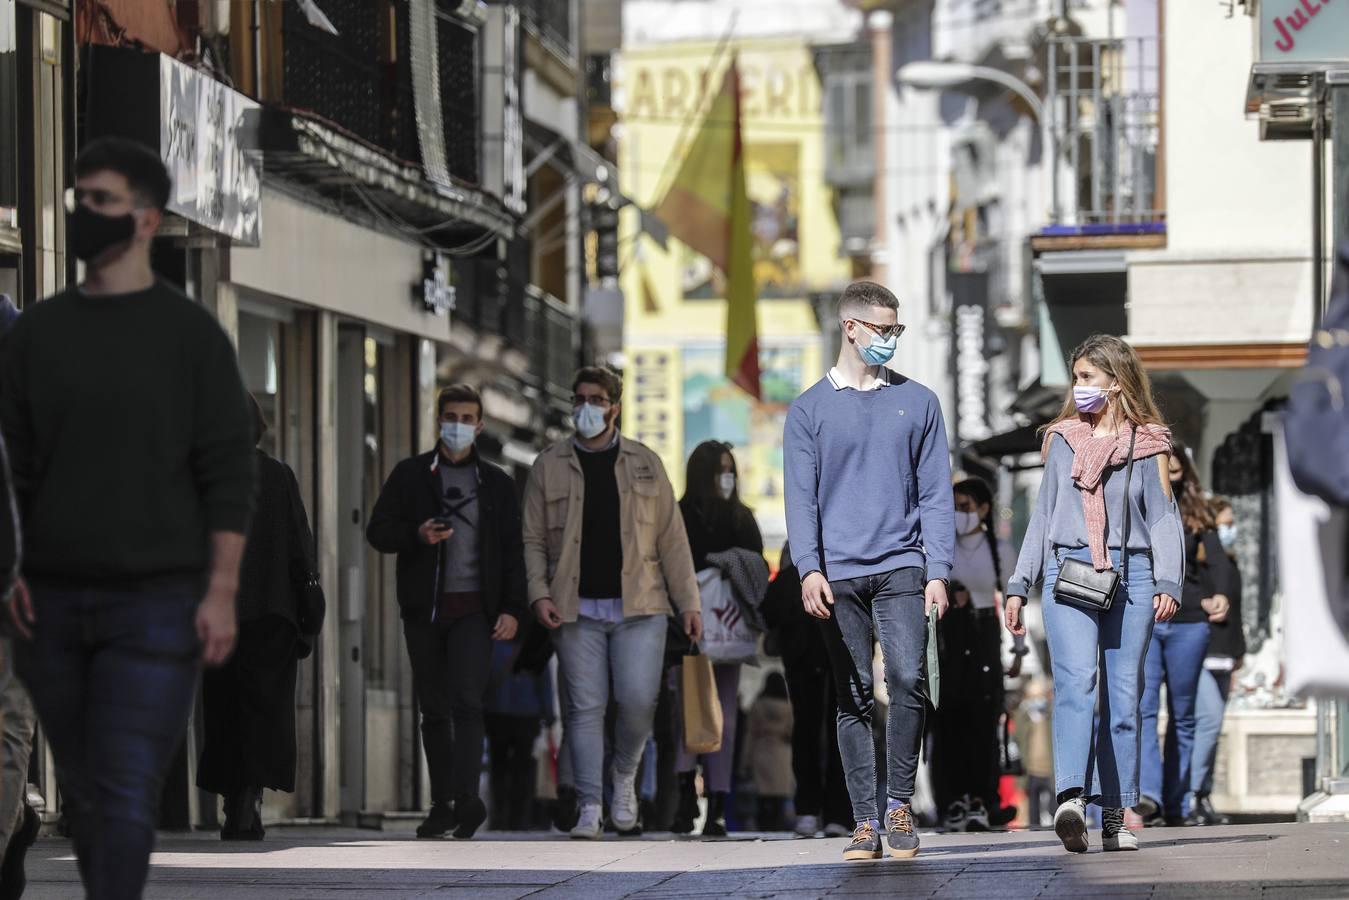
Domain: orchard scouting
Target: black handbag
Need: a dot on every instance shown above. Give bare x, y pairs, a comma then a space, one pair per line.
1079, 584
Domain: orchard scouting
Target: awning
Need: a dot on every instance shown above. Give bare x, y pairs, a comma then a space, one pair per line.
1017, 442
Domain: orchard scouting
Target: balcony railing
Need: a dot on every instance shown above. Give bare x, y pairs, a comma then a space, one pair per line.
347, 80
552, 20
1104, 110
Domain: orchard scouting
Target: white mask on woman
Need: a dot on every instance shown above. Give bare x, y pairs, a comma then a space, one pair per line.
726, 484
968, 522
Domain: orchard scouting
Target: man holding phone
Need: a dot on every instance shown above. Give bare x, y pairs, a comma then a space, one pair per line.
454, 521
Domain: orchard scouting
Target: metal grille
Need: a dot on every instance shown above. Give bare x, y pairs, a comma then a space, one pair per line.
401, 113
1104, 109
459, 98
335, 76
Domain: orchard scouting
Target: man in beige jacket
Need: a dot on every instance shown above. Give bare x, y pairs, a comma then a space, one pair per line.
608, 562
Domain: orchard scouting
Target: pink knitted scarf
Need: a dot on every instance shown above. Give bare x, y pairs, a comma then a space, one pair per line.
1091, 457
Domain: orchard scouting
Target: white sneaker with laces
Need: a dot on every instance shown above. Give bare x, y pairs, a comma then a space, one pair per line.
623, 808
807, 826
588, 826
1070, 824
1115, 837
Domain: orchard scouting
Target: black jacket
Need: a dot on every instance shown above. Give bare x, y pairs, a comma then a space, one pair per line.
410, 496
279, 555
1206, 573
1228, 638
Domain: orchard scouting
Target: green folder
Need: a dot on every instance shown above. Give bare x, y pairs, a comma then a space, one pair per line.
933, 666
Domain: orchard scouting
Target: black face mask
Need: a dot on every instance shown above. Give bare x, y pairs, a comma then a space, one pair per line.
93, 233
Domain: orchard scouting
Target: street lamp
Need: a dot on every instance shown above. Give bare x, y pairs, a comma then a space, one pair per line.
934, 75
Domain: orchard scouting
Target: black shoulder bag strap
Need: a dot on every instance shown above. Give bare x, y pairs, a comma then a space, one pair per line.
1128, 507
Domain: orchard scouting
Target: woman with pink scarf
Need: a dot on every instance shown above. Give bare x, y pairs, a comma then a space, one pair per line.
1079, 526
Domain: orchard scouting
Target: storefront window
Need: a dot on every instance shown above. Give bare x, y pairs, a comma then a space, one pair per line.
260, 361
375, 470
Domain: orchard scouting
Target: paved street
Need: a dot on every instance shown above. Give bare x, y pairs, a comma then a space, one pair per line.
1310, 861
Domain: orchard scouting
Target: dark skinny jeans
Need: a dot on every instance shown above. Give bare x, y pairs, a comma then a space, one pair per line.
889, 607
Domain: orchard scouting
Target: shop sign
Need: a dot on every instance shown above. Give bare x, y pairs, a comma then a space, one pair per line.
203, 129
513, 122
1311, 31
435, 293
971, 374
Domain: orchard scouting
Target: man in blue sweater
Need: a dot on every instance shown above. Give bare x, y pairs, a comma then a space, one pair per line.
871, 524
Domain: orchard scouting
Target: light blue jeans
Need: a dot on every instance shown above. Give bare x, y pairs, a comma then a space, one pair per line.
1097, 661
1176, 659
1209, 709
593, 655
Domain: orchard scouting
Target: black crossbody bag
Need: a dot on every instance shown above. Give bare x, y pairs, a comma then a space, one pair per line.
1079, 584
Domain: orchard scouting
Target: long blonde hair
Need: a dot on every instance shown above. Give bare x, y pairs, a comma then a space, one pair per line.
1117, 359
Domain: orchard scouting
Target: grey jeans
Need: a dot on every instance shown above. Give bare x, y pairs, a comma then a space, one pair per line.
19, 722
593, 655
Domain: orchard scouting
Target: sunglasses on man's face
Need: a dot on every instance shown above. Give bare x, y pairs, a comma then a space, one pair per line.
882, 331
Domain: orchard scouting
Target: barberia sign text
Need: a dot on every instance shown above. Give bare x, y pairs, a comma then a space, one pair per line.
772, 91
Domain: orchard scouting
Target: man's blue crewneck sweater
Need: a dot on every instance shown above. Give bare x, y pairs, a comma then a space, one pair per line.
868, 481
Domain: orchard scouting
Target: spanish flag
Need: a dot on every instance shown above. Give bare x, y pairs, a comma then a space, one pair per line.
708, 208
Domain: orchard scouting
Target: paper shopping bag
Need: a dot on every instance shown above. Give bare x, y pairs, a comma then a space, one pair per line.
702, 706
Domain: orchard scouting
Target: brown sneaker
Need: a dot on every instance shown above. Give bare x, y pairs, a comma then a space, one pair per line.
902, 838
866, 843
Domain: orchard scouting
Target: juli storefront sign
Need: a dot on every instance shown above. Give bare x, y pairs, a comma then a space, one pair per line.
1310, 31
435, 293
202, 139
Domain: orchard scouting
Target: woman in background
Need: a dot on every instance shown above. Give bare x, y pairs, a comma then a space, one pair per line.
1176, 654
1226, 651
716, 521
965, 758
768, 752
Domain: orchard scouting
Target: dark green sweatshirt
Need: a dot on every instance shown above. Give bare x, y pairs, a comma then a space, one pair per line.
129, 434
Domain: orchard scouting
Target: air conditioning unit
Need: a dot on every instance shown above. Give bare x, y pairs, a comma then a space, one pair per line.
1283, 96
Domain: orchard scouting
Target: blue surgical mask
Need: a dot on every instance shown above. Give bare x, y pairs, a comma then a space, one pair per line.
589, 421
1228, 535
457, 436
878, 352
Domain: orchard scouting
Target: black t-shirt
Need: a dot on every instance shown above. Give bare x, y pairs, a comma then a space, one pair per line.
601, 534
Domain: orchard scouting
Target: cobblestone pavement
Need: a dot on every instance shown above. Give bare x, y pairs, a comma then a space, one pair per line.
1304, 861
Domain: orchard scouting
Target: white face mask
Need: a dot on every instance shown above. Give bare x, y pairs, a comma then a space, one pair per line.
968, 522
726, 483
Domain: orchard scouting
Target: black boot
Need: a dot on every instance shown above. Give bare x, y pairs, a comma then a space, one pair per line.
1203, 813
687, 812
715, 826
249, 815
12, 877
565, 811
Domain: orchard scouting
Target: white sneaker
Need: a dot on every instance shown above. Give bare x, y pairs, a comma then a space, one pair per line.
807, 826
623, 808
835, 830
1070, 824
588, 827
1115, 837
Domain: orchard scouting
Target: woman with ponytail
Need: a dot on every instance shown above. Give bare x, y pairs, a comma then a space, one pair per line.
965, 727
1109, 437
